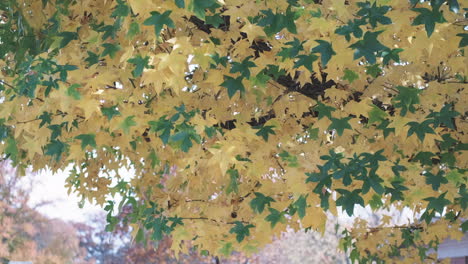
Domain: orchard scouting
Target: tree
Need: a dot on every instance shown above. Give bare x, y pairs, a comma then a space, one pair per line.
239, 118
26, 235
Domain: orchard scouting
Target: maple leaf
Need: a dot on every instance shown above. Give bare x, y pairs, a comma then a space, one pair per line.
376, 115
234, 177
121, 9
184, 135
368, 47
274, 23
435, 180
406, 99
350, 76
92, 58
110, 49
421, 129
301, 205
265, 131
55, 148
374, 70
163, 125
127, 123
445, 116
133, 30
293, 51
464, 40
323, 110
391, 55
199, 6
45, 118
140, 64
243, 67
374, 14
233, 85
241, 230
349, 199
275, 216
428, 18
306, 61
110, 112
340, 124
67, 37
258, 203
326, 51
353, 27
87, 140
158, 20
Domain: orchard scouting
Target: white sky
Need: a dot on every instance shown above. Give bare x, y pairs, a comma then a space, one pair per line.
51, 187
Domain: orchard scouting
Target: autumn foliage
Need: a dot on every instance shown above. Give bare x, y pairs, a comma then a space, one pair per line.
240, 118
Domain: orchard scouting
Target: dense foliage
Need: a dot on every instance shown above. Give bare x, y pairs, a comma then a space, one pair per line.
240, 118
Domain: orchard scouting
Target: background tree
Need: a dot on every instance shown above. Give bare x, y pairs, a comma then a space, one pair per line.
27, 235
238, 119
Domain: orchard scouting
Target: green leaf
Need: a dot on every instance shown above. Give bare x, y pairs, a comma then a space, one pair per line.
110, 49
121, 9
110, 112
353, 27
11, 149
45, 118
453, 5
374, 70
233, 185
301, 205
140, 64
438, 203
293, 51
464, 40
350, 76
274, 23
215, 20
87, 140
258, 203
163, 125
435, 180
55, 148
180, 3
376, 115
233, 85
326, 51
406, 99
158, 20
73, 92
127, 123
241, 230
275, 216
184, 136
198, 7
455, 177
374, 14
445, 116
264, 131
424, 157
243, 67
348, 199
290, 159
340, 125
306, 61
227, 249
67, 37
421, 129
133, 30
368, 47
428, 18
323, 110
391, 55
92, 59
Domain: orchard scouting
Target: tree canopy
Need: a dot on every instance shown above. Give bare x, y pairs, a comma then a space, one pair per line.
240, 118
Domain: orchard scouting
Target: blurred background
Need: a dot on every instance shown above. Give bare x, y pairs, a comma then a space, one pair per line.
40, 222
